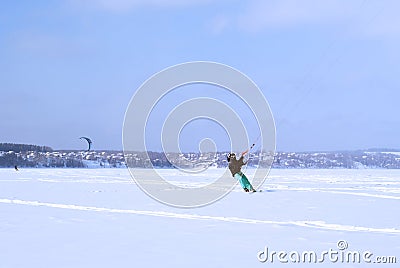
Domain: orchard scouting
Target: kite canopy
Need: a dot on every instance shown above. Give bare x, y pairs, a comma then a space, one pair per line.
88, 140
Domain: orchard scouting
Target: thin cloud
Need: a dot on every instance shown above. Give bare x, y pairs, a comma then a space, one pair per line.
129, 5
368, 18
385, 20
275, 14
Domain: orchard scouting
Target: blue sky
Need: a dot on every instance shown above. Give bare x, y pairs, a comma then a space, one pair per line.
329, 69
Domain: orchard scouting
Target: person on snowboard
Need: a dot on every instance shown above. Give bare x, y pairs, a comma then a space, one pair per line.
235, 167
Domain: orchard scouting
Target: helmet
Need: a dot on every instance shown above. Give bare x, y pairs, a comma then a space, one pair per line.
230, 155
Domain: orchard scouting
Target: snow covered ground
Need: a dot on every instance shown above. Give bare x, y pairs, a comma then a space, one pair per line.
100, 218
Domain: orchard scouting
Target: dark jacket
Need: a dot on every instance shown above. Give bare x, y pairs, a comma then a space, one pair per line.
235, 165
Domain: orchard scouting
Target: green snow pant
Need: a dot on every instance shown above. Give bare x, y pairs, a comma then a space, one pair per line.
244, 182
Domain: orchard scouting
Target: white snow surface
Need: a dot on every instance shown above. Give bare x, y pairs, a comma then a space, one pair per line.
101, 218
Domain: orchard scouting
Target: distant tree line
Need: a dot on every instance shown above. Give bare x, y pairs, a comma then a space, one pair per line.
11, 159
6, 147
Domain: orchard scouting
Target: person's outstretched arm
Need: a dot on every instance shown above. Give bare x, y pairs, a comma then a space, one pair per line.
242, 157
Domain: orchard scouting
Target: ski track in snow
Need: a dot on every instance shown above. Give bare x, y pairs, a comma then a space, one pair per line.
308, 224
332, 190
345, 191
